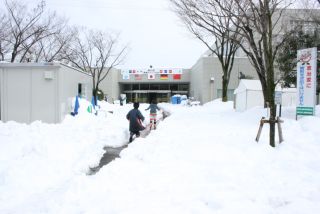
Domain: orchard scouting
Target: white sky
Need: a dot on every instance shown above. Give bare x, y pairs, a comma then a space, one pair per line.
156, 36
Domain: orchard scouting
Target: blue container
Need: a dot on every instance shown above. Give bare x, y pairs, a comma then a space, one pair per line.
178, 100
174, 100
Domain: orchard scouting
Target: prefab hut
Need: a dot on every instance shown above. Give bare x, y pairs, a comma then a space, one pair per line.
248, 94
40, 91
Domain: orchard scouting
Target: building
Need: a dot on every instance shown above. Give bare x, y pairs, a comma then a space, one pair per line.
206, 77
249, 94
203, 81
145, 85
40, 91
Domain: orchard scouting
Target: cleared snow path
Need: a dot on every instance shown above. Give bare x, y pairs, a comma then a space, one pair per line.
113, 153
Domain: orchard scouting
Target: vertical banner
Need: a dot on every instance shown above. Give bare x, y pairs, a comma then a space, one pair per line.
306, 81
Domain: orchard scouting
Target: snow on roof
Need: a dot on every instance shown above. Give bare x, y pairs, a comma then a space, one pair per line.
245, 84
255, 85
252, 84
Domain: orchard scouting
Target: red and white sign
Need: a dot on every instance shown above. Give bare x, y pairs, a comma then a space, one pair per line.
306, 81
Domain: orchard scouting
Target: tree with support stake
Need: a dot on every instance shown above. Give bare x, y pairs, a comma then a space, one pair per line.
278, 121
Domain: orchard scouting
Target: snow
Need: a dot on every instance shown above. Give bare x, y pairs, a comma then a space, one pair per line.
201, 159
246, 84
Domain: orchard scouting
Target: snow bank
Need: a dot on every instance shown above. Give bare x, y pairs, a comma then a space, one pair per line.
201, 159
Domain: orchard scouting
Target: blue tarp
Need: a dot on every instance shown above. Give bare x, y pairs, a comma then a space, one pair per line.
76, 106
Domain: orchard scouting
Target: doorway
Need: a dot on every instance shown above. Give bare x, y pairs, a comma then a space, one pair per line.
152, 96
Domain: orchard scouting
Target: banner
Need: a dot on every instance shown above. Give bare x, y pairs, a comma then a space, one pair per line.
125, 75
152, 70
138, 77
306, 81
176, 76
151, 76
164, 76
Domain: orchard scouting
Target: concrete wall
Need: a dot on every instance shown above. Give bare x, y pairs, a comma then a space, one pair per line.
110, 85
38, 91
196, 77
207, 67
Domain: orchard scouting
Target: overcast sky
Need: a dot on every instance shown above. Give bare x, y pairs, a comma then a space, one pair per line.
155, 35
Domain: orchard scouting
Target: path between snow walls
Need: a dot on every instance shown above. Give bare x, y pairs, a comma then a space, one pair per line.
112, 153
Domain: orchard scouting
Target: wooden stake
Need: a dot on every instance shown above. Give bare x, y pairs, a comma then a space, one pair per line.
278, 121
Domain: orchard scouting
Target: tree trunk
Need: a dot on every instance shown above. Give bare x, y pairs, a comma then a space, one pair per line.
272, 125
94, 94
13, 56
224, 90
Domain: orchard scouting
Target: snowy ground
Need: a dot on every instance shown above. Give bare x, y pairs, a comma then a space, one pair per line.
200, 160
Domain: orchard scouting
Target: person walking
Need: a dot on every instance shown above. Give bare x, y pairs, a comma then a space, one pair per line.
153, 113
135, 118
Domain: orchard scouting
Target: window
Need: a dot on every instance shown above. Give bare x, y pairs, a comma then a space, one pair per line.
174, 87
82, 90
154, 87
164, 87
183, 87
127, 87
144, 86
230, 94
79, 89
135, 86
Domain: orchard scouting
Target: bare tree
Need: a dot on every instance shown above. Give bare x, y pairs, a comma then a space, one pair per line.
206, 21
3, 35
26, 27
54, 47
257, 21
96, 52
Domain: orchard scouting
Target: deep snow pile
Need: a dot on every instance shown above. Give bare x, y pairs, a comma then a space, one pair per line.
201, 159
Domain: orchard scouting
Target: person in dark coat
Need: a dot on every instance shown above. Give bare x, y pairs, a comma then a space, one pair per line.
135, 117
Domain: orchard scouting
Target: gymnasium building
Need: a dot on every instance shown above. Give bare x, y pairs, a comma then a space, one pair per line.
203, 81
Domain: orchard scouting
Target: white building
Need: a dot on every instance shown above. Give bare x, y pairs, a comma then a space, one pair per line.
249, 94
40, 91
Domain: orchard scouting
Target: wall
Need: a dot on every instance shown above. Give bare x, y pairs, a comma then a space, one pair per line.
26, 95
241, 101
208, 67
254, 98
39, 91
196, 80
110, 85
69, 78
